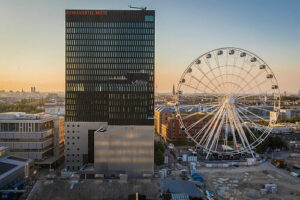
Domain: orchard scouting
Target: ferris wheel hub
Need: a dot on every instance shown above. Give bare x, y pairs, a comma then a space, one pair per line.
229, 100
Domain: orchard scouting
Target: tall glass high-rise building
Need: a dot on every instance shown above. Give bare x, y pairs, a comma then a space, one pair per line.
110, 90
110, 66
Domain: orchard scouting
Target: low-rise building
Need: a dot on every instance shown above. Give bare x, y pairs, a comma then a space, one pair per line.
39, 137
13, 169
183, 189
171, 131
55, 108
161, 114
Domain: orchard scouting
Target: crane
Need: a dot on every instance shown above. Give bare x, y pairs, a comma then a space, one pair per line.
140, 8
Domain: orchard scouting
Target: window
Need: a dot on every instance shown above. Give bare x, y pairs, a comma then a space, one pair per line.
149, 18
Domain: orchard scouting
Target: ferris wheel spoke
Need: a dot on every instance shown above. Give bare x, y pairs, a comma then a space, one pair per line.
205, 75
253, 114
219, 68
203, 128
256, 85
251, 122
242, 133
236, 124
235, 145
209, 125
245, 96
198, 121
212, 71
216, 135
245, 124
242, 66
215, 95
257, 108
211, 133
196, 113
253, 79
203, 84
234, 62
219, 130
226, 130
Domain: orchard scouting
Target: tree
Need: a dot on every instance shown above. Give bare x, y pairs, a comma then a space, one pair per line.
159, 150
159, 158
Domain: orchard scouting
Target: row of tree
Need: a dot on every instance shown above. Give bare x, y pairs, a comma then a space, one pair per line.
26, 105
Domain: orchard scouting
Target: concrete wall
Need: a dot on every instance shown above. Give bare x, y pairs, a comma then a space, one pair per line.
122, 149
76, 141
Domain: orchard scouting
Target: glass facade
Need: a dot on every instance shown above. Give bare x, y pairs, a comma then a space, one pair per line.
110, 66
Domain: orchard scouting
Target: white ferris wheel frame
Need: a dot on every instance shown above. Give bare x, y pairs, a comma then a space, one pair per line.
228, 113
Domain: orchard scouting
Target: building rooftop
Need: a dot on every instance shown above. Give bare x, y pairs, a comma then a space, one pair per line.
180, 187
23, 116
5, 167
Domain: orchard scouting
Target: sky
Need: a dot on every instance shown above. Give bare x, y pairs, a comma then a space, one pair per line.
32, 37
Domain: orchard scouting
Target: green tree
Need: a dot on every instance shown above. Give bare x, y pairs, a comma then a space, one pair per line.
159, 150
159, 158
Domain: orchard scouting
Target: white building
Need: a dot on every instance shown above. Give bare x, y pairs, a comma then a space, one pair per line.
55, 108
39, 137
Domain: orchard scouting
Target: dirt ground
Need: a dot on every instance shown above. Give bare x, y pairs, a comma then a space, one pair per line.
245, 183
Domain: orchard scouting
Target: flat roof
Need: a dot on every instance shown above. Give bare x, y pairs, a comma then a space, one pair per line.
5, 167
17, 158
179, 186
11, 116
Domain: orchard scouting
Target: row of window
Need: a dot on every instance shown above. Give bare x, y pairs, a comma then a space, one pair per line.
109, 37
111, 42
111, 30
111, 60
127, 116
110, 24
113, 86
110, 48
111, 54
104, 72
78, 87
70, 101
95, 78
72, 115
70, 96
127, 67
127, 109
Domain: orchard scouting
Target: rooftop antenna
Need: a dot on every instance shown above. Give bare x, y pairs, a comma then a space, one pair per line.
139, 8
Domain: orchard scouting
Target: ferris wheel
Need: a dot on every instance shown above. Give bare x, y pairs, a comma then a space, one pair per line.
227, 102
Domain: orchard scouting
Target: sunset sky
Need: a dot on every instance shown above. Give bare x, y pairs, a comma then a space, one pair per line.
33, 47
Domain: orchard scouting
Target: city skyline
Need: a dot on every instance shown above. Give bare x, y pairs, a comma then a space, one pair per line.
33, 50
